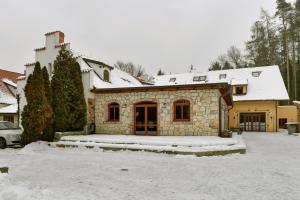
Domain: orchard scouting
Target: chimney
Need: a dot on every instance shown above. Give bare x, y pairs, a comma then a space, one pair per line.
54, 38
61, 37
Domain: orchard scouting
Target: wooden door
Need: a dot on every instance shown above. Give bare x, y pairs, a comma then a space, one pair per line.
145, 119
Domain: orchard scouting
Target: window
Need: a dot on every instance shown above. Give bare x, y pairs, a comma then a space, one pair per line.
222, 76
256, 74
199, 78
9, 118
113, 112
239, 90
172, 80
106, 75
182, 110
282, 123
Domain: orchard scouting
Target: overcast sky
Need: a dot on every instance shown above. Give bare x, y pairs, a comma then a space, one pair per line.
168, 34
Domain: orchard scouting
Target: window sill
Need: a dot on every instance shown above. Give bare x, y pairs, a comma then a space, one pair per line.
181, 120
113, 121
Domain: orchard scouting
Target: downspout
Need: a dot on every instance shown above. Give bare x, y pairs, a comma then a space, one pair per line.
276, 116
220, 109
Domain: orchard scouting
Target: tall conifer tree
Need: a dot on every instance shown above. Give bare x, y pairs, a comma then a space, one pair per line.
35, 113
68, 101
48, 133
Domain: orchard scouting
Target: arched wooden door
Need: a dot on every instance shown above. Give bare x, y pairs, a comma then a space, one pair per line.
145, 118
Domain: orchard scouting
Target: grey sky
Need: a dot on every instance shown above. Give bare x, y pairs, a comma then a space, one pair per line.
168, 34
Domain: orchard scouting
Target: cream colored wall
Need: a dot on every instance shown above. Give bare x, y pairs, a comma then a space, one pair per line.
288, 112
268, 107
204, 112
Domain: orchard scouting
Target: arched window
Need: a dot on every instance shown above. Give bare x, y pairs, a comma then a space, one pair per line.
182, 110
113, 112
106, 75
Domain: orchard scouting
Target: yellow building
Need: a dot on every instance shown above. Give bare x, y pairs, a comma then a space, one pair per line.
256, 95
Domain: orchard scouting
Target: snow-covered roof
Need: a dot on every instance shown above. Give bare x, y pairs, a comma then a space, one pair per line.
264, 83
9, 82
237, 81
11, 109
118, 78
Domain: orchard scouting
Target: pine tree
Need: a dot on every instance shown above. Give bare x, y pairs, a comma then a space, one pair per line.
215, 66
227, 65
68, 101
48, 132
59, 83
160, 72
35, 112
77, 105
283, 12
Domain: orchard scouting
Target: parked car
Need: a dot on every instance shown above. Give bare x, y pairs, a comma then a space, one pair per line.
10, 134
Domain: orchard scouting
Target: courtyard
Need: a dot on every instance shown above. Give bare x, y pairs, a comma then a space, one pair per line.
269, 170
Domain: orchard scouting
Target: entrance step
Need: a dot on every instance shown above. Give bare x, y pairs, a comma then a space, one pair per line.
184, 145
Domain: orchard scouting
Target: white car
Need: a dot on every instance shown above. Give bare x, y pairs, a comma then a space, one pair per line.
10, 134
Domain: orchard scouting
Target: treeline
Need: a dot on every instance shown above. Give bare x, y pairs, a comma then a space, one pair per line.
56, 105
275, 40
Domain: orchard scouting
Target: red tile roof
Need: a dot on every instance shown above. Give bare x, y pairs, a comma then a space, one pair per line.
5, 74
9, 75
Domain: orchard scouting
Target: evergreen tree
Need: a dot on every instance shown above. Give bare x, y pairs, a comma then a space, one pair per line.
68, 101
160, 72
48, 133
36, 111
77, 105
215, 66
283, 12
227, 65
59, 83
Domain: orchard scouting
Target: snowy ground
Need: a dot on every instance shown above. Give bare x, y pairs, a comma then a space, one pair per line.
269, 170
198, 145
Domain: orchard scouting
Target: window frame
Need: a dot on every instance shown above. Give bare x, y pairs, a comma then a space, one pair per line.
256, 73
242, 89
172, 80
181, 103
199, 78
114, 106
9, 118
222, 76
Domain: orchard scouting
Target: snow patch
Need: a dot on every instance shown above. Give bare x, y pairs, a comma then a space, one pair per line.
17, 191
35, 147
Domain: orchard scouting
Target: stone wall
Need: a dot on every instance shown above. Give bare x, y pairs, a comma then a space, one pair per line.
204, 118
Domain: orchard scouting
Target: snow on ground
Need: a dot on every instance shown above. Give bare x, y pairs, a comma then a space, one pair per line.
269, 170
154, 140
178, 144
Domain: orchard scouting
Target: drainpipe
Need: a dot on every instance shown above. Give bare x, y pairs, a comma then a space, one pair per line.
220, 109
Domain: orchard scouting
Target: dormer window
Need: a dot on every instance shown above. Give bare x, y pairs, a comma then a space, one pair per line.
172, 80
222, 76
106, 75
240, 90
199, 78
256, 73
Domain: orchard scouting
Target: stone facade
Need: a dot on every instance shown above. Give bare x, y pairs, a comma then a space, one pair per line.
204, 112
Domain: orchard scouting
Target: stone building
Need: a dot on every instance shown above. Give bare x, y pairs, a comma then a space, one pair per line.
185, 110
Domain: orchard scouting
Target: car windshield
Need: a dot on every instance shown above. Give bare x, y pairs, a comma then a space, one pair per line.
7, 125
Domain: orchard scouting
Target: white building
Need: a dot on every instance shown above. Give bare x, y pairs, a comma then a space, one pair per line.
95, 74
